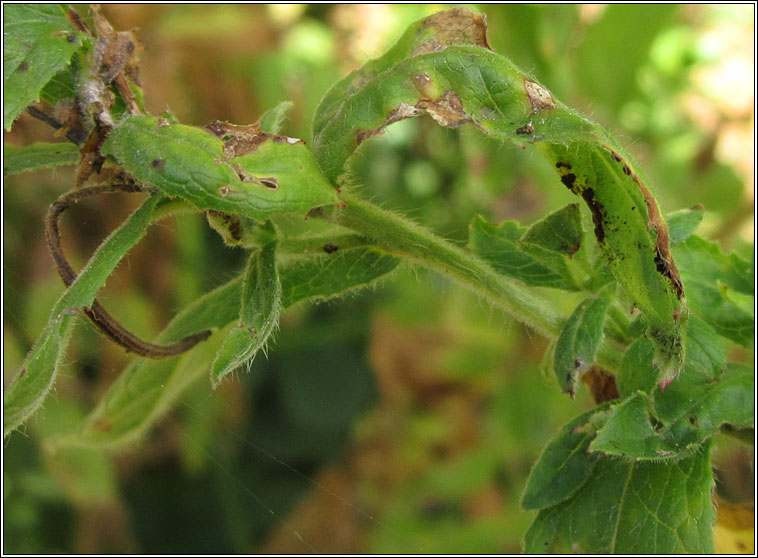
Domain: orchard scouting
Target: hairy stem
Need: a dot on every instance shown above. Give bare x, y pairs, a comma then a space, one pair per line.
406, 239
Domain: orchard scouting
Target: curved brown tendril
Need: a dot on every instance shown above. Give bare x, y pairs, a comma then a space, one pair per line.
108, 325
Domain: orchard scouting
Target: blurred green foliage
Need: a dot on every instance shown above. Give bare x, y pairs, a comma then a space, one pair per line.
403, 419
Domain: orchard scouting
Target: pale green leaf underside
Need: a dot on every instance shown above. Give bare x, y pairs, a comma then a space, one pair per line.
38, 156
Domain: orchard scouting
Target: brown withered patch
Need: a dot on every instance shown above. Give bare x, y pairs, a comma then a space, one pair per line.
602, 385
241, 140
539, 97
664, 261
455, 27
116, 58
447, 110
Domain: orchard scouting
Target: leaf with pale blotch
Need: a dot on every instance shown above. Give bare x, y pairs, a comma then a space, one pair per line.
632, 508
38, 156
443, 67
274, 175
38, 42
37, 375
580, 338
564, 466
259, 316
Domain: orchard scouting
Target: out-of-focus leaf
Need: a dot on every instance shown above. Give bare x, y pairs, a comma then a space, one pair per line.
37, 375
256, 176
632, 508
579, 340
38, 156
564, 466
271, 121
683, 223
38, 42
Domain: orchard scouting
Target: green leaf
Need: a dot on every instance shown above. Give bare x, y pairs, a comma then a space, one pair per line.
683, 223
261, 305
147, 389
632, 508
560, 232
706, 352
579, 340
327, 275
443, 67
710, 278
636, 371
271, 121
37, 375
564, 466
499, 246
707, 403
38, 42
38, 156
256, 175
628, 433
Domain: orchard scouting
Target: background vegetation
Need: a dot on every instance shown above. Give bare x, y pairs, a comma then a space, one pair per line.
405, 418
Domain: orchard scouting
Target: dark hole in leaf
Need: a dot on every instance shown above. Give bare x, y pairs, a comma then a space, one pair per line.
330, 248
269, 183
157, 164
23, 67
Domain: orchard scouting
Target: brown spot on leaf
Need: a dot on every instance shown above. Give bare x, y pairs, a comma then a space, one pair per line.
157, 164
560, 165
241, 140
447, 110
526, 129
597, 213
568, 180
456, 27
330, 248
23, 67
539, 97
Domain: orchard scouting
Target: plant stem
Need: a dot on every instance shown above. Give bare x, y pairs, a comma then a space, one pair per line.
406, 239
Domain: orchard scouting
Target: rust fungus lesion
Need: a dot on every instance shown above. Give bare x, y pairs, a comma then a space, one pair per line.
539, 97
